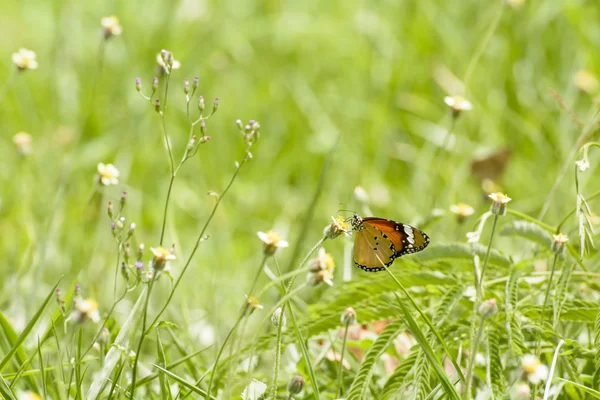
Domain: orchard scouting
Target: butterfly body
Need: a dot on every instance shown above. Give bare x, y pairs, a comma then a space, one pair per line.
378, 242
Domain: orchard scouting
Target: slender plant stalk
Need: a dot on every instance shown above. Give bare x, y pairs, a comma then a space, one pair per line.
340, 389
143, 335
471, 366
552, 368
199, 240
278, 343
486, 259
548, 288
216, 364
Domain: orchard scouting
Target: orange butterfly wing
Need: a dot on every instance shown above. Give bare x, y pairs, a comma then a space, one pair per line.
405, 238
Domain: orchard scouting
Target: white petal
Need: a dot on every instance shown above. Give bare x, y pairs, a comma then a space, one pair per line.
264, 237
282, 243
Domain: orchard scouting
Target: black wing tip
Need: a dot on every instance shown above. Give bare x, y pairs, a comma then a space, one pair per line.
374, 269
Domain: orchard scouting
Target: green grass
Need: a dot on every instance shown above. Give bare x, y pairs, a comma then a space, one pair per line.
347, 93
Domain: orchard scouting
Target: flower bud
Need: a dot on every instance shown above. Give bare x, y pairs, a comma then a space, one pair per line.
120, 222
127, 252
110, 209
276, 317
140, 252
138, 84
348, 316
186, 85
124, 271
191, 143
203, 127
204, 139
139, 268
104, 337
558, 246
77, 289
155, 83
131, 228
215, 105
201, 103
157, 105
57, 295
239, 124
295, 385
195, 83
123, 199
488, 308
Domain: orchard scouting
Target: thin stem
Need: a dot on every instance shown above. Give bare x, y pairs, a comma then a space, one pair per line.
214, 368
164, 222
199, 240
277, 354
487, 257
142, 337
474, 347
482, 46
552, 368
548, 288
340, 390
117, 270
8, 82
258, 271
305, 259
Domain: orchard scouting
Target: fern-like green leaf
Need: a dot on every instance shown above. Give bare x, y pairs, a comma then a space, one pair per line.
461, 252
513, 321
496, 370
363, 377
392, 387
421, 384
529, 231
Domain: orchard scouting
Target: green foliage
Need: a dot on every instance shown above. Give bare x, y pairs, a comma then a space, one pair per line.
341, 107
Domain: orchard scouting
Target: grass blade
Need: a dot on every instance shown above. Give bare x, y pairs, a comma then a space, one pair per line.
448, 387
183, 382
27, 330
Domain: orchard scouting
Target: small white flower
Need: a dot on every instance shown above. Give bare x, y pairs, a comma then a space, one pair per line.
161, 62
536, 371
254, 390
272, 241
583, 164
108, 174
111, 27
458, 104
25, 59
22, 141
86, 309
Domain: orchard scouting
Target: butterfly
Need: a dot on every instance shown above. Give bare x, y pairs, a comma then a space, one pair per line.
380, 241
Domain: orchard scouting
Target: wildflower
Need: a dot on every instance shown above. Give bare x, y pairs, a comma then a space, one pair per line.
161, 257
254, 391
111, 27
323, 261
535, 371
582, 164
86, 309
271, 242
348, 316
462, 211
22, 141
276, 317
336, 228
250, 131
324, 275
25, 59
457, 104
500, 202
558, 245
252, 303
295, 385
488, 308
166, 62
107, 174
586, 81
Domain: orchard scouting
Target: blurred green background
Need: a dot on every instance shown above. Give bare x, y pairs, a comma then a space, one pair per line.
373, 74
